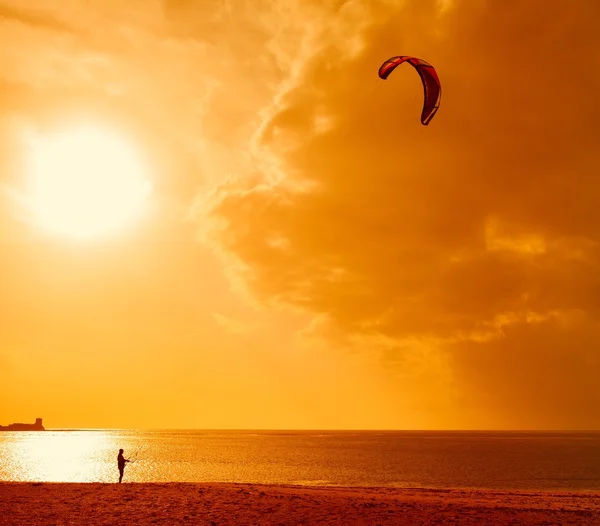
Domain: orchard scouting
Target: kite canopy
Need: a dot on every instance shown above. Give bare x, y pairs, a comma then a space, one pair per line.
431, 83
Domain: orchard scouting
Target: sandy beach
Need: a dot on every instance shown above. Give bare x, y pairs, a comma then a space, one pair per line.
223, 504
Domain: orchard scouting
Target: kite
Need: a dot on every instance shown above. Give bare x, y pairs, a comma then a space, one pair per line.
431, 83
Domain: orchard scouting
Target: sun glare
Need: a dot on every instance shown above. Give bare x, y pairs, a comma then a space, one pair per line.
85, 182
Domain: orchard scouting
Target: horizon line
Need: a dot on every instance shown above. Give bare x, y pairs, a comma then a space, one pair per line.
330, 430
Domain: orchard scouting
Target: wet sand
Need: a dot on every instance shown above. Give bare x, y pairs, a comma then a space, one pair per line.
36, 504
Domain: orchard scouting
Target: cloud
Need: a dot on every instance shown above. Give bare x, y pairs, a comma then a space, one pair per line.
37, 19
477, 234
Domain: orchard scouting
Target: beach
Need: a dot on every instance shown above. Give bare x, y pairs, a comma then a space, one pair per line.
36, 504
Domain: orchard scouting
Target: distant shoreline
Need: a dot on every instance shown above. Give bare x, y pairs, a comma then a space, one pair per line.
230, 503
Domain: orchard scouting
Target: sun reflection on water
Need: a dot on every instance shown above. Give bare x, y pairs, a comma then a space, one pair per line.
74, 456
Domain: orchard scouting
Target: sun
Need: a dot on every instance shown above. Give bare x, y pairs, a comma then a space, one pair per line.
85, 182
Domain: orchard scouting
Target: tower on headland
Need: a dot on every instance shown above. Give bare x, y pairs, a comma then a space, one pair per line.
38, 426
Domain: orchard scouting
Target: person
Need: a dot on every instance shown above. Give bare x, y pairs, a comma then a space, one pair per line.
121, 461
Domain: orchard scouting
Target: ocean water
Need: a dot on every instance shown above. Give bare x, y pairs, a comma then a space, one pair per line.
500, 460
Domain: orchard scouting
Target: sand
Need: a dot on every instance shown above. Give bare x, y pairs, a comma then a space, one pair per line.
36, 504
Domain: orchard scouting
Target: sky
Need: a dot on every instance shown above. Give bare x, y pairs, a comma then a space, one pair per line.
310, 255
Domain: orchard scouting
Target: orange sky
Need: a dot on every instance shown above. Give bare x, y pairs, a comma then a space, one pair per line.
311, 256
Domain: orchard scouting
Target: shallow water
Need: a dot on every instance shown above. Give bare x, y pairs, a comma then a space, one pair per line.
501, 460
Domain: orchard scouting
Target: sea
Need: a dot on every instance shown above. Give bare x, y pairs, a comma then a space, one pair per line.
556, 461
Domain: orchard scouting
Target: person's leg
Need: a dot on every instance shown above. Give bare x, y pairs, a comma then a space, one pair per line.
120, 475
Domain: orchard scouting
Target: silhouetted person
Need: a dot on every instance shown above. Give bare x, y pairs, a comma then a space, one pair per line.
121, 460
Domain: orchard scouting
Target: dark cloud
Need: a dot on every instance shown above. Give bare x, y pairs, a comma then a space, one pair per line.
439, 232
538, 376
